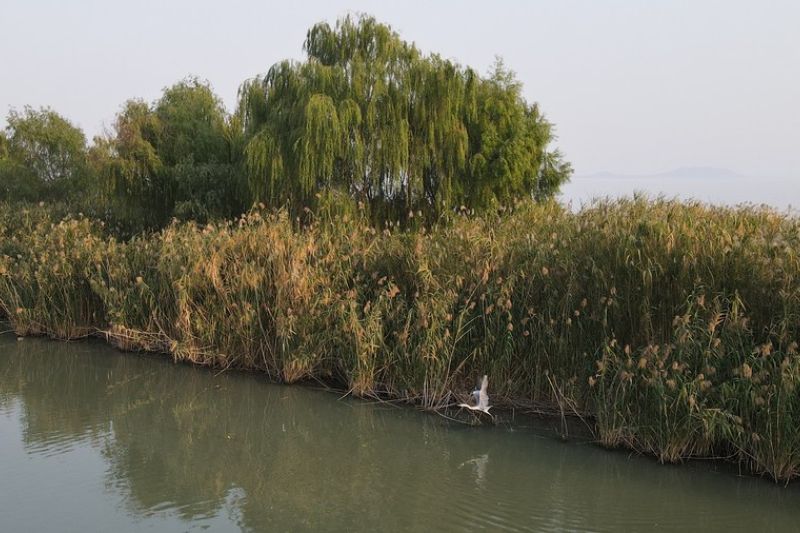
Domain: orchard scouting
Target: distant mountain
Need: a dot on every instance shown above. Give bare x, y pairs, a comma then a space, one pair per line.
678, 173
699, 172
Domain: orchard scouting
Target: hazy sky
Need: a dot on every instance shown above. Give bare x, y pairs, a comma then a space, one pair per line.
633, 86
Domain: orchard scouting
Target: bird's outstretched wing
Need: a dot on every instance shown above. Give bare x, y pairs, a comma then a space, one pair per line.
483, 396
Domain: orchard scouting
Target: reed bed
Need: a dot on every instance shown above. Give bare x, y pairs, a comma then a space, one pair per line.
671, 326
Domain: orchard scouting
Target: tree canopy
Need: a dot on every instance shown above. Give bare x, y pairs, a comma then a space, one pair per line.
42, 155
369, 115
179, 157
365, 119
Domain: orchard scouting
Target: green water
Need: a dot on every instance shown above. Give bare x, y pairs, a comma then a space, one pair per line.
95, 440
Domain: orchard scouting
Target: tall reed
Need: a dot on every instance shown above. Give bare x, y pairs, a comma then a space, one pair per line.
672, 326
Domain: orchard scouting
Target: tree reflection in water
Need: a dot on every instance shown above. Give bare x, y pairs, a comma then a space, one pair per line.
179, 440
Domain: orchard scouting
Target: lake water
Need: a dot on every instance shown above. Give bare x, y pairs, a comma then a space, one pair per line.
92, 439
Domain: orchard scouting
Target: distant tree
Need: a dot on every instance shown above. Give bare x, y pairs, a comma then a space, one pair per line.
42, 156
180, 157
366, 114
129, 167
192, 122
199, 148
17, 182
366, 118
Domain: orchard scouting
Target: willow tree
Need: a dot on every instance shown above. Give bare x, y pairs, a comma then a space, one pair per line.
368, 115
178, 157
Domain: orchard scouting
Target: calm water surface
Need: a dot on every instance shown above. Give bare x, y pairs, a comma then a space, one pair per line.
95, 440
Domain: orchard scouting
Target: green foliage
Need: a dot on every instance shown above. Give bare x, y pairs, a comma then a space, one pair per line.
42, 156
192, 123
45, 142
130, 169
367, 114
180, 157
365, 117
18, 182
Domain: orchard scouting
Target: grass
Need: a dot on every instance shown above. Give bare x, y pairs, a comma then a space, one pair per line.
673, 326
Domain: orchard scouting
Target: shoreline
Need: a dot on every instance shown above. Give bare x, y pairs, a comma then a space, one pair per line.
540, 422
657, 319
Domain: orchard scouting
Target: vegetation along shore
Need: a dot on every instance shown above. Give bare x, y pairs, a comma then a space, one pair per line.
401, 240
673, 326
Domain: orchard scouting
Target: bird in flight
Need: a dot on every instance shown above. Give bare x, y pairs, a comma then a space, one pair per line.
481, 398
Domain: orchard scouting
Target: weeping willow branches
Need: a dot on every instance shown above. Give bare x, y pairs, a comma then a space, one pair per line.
368, 115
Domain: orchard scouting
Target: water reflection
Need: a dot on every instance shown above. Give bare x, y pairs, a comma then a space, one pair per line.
479, 469
181, 447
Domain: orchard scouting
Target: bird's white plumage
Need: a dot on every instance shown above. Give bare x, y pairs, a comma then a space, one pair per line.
481, 398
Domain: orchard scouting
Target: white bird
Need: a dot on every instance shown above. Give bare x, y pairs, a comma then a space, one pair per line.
481, 398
